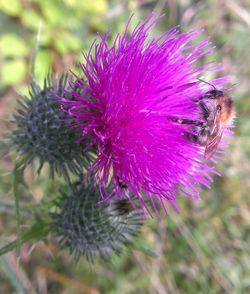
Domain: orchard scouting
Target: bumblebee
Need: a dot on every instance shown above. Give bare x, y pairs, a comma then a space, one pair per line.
217, 111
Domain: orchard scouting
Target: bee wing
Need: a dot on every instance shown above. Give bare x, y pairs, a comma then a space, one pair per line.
215, 136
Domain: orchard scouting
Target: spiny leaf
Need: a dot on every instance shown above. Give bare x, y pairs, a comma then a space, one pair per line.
36, 233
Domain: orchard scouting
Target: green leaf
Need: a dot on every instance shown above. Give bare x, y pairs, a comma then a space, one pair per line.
67, 42
12, 45
42, 64
46, 35
38, 232
16, 175
53, 11
12, 7
30, 18
13, 72
11, 275
88, 6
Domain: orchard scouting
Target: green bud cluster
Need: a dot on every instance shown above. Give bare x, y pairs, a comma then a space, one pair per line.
41, 131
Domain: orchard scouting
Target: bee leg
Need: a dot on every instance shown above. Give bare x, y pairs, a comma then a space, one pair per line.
201, 140
187, 121
205, 110
193, 122
200, 136
203, 135
121, 184
192, 137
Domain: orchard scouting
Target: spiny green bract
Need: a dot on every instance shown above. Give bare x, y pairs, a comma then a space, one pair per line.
89, 229
41, 132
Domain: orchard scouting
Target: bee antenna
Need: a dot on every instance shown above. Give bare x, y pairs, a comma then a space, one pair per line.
232, 86
207, 83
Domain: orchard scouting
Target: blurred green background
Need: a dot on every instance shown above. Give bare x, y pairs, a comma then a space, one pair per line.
205, 249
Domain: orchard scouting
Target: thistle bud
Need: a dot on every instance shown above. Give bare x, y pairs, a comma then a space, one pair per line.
41, 132
88, 229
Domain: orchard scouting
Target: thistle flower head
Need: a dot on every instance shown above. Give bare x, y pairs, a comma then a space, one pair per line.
128, 106
91, 230
40, 132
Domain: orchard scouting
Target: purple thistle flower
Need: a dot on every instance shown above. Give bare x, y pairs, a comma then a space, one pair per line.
134, 91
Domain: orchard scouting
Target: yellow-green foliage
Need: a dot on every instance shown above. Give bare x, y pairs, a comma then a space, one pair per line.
205, 249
